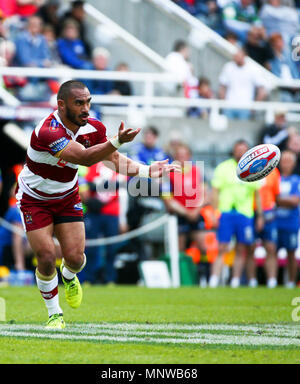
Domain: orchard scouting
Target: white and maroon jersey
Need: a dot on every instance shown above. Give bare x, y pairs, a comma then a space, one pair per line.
45, 176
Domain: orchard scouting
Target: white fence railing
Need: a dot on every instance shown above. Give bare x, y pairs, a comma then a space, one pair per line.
147, 103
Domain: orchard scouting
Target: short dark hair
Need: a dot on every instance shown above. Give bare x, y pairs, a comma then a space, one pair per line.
179, 45
65, 88
77, 4
153, 130
203, 81
240, 142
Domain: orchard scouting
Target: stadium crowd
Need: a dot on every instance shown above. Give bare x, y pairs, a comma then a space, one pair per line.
262, 216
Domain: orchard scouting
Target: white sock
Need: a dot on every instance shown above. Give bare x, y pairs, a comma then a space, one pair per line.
67, 274
49, 292
235, 282
272, 282
253, 283
213, 281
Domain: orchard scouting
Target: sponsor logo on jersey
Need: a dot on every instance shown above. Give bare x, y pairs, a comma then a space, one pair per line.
86, 142
28, 218
253, 155
59, 144
78, 206
54, 125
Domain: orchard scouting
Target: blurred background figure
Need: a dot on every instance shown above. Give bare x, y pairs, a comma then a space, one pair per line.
235, 201
239, 16
276, 133
240, 82
288, 213
100, 60
122, 87
268, 192
148, 151
183, 195
178, 63
279, 18
71, 48
77, 14
105, 217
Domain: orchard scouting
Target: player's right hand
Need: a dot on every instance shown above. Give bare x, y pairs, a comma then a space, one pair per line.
127, 135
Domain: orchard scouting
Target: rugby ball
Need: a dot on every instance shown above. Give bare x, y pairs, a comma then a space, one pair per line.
258, 162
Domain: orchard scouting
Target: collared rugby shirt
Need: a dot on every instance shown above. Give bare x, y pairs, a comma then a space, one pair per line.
45, 176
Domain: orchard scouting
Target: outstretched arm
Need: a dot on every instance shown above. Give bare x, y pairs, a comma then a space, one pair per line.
126, 166
77, 154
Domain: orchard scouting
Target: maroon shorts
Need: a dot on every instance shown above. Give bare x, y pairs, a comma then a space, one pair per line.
37, 214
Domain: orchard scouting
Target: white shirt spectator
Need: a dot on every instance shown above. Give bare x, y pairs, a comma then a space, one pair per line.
177, 65
240, 81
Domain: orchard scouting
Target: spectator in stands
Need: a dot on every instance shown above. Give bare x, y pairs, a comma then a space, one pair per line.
71, 48
183, 195
240, 83
288, 212
7, 54
239, 16
210, 13
23, 8
49, 33
235, 201
282, 65
31, 46
178, 62
101, 58
175, 140
103, 218
122, 87
148, 151
49, 15
269, 190
293, 144
258, 47
277, 133
187, 5
3, 29
204, 91
32, 50
279, 18
233, 39
11, 243
77, 14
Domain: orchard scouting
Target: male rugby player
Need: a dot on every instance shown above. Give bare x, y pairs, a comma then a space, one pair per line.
47, 191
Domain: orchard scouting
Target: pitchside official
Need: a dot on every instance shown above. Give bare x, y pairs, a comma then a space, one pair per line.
235, 200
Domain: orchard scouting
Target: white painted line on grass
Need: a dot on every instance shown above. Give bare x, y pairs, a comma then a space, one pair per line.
267, 334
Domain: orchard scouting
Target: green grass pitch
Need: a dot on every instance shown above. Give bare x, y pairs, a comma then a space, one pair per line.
125, 325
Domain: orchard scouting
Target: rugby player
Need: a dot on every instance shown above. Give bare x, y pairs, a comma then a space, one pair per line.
47, 191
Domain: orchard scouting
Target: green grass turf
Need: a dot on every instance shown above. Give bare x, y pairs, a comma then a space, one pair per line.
141, 305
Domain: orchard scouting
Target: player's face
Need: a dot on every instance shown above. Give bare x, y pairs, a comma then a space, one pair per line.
78, 106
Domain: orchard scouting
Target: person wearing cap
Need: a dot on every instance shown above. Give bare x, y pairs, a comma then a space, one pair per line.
276, 133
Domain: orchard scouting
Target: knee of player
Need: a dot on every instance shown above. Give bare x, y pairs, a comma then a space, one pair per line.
47, 256
75, 259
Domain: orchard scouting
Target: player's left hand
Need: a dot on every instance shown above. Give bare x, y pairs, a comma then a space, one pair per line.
160, 168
